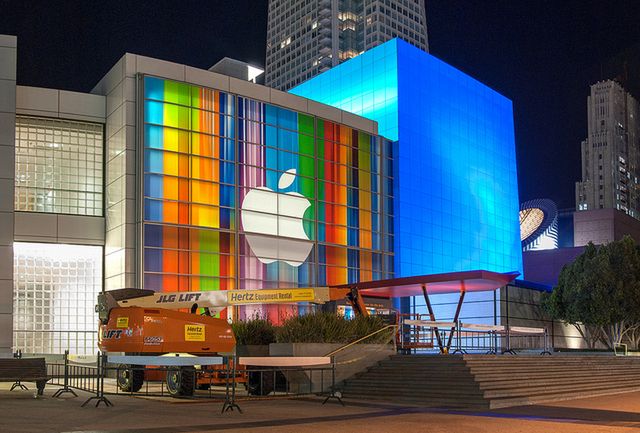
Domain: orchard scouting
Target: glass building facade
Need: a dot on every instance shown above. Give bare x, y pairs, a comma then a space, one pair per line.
456, 194
455, 190
242, 194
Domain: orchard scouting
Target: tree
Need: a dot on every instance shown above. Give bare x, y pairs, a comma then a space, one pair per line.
599, 293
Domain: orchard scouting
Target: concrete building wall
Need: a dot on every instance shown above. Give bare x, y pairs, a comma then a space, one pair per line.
544, 266
522, 307
119, 88
602, 226
60, 104
58, 228
8, 58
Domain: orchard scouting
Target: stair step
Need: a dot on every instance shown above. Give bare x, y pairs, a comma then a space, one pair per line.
372, 387
531, 391
490, 385
498, 403
483, 381
426, 401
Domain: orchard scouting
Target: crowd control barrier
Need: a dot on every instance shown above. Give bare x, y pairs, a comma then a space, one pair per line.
458, 337
227, 379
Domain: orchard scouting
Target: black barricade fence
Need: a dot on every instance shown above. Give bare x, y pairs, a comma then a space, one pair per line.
101, 379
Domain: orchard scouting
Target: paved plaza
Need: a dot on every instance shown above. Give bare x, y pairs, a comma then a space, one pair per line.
23, 413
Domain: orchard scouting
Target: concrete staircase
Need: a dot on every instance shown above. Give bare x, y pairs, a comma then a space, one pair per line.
490, 382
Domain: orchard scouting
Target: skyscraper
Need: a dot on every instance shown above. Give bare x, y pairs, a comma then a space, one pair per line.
611, 152
307, 37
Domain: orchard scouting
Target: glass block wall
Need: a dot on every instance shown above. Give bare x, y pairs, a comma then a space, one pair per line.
59, 166
243, 194
55, 291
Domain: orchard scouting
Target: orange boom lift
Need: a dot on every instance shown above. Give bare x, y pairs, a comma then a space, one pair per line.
165, 329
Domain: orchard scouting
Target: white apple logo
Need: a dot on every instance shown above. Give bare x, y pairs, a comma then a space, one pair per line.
266, 212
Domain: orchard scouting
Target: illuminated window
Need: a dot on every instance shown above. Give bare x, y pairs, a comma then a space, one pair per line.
58, 166
285, 42
55, 291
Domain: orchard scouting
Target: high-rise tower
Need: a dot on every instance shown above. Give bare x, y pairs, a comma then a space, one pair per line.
307, 37
611, 152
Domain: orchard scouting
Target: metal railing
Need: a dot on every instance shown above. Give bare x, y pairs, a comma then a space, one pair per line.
418, 334
228, 383
366, 337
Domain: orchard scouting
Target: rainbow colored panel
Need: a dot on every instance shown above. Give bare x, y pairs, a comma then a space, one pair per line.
189, 187
243, 194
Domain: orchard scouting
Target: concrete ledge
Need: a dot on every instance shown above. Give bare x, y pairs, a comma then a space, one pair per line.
62, 104
130, 64
250, 90
8, 63
161, 68
57, 228
8, 41
204, 78
289, 100
324, 111
111, 78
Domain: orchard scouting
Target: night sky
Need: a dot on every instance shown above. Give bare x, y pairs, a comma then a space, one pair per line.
542, 54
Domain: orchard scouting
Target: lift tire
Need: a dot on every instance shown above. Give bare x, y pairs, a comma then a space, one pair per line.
181, 381
130, 377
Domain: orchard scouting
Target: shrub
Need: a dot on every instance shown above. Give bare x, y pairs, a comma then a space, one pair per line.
329, 328
254, 331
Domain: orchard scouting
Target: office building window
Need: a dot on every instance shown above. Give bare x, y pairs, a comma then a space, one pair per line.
59, 166
55, 291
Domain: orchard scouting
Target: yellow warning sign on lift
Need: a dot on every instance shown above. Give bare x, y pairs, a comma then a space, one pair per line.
193, 332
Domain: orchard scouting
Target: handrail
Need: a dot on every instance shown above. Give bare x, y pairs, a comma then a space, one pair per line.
340, 349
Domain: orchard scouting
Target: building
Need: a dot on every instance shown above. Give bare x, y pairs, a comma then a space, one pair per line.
455, 186
539, 225
611, 152
305, 38
602, 226
169, 177
174, 178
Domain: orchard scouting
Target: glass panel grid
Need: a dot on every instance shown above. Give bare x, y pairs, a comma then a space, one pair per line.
305, 197
59, 166
55, 291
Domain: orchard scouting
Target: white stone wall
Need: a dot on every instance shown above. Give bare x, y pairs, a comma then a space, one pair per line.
8, 56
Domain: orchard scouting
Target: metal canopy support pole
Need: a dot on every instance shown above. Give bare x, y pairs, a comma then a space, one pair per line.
463, 290
357, 303
432, 316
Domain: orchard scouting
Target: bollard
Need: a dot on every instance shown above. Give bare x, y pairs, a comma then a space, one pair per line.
459, 349
545, 350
